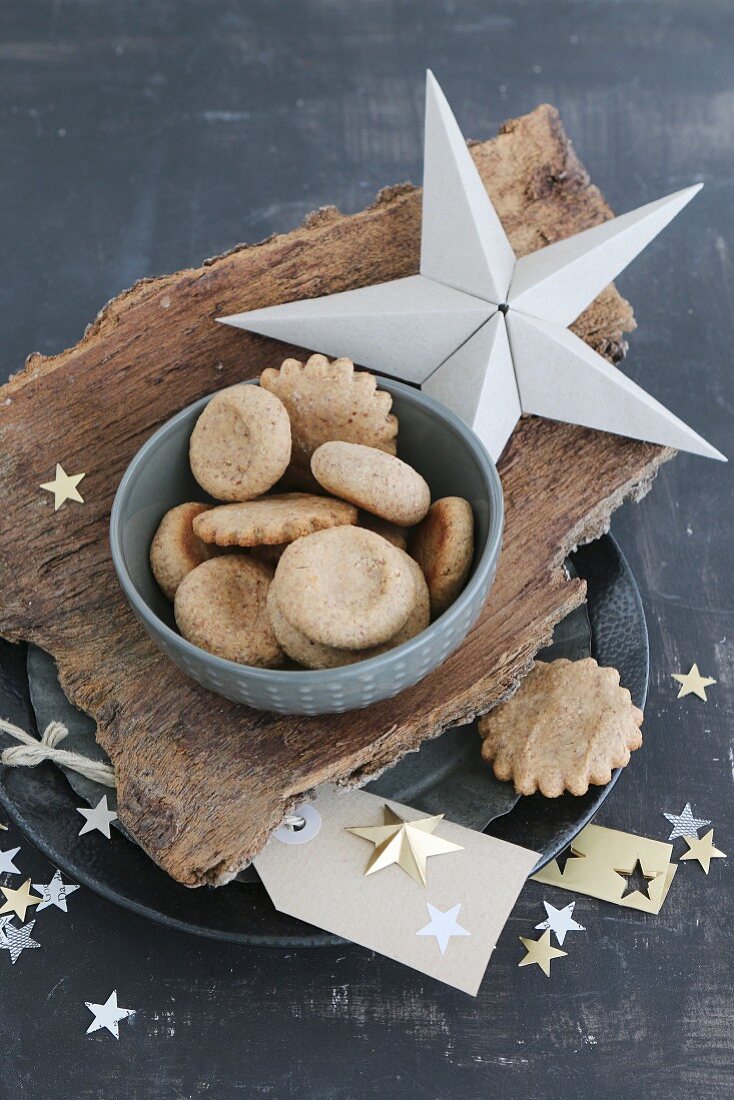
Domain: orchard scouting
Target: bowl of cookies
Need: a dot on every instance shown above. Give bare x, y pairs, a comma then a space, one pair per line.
309, 542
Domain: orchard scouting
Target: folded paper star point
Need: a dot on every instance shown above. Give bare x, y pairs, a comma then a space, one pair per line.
64, 487
408, 843
703, 850
693, 683
478, 328
541, 952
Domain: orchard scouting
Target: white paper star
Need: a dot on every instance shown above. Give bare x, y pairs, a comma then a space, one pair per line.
560, 921
443, 926
98, 818
482, 331
54, 893
108, 1015
7, 867
16, 940
684, 823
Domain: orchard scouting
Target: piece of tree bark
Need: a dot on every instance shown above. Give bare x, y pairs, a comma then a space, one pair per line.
202, 782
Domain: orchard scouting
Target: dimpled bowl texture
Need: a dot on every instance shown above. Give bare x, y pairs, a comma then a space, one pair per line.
439, 445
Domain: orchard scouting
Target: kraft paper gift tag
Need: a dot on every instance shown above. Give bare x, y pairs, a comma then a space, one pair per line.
447, 928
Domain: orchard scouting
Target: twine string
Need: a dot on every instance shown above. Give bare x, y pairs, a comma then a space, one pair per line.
31, 752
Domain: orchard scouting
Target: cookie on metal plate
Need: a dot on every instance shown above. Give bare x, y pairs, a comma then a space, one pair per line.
569, 725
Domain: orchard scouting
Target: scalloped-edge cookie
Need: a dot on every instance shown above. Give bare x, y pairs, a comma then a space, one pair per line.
272, 520
328, 399
568, 726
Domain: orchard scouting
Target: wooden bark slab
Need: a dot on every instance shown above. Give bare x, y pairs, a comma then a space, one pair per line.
202, 782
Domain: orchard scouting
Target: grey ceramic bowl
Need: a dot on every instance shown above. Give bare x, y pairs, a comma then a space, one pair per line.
433, 440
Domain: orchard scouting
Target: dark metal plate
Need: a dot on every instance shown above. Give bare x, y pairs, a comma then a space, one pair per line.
447, 775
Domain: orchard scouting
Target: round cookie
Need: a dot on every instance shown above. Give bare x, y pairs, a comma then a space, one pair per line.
241, 443
314, 655
175, 549
220, 607
345, 587
378, 482
272, 520
397, 536
443, 546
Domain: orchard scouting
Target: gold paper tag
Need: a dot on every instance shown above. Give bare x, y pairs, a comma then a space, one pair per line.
603, 865
447, 929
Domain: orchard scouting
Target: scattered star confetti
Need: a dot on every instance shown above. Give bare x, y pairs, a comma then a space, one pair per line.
7, 867
99, 818
684, 823
703, 850
560, 921
64, 487
407, 843
17, 940
443, 926
108, 1015
19, 901
54, 893
540, 952
693, 683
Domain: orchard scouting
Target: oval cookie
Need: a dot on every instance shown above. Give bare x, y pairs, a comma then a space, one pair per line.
568, 725
345, 587
175, 549
443, 546
378, 482
272, 520
220, 607
241, 443
314, 655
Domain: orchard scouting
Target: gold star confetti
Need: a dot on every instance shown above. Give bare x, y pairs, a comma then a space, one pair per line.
703, 850
18, 901
541, 952
64, 487
693, 683
407, 843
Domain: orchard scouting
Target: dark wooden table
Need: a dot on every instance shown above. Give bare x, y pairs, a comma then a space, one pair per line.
139, 136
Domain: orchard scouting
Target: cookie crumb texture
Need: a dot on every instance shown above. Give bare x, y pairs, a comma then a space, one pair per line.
175, 549
377, 482
221, 607
345, 587
241, 443
568, 726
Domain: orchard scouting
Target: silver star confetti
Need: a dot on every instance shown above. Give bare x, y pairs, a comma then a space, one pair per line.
99, 818
560, 921
54, 893
684, 823
16, 940
108, 1015
7, 867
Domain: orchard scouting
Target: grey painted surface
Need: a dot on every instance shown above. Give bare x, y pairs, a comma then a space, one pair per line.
138, 137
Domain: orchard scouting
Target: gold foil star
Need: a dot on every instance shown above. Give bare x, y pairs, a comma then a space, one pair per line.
540, 952
408, 843
693, 683
18, 901
64, 487
703, 850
